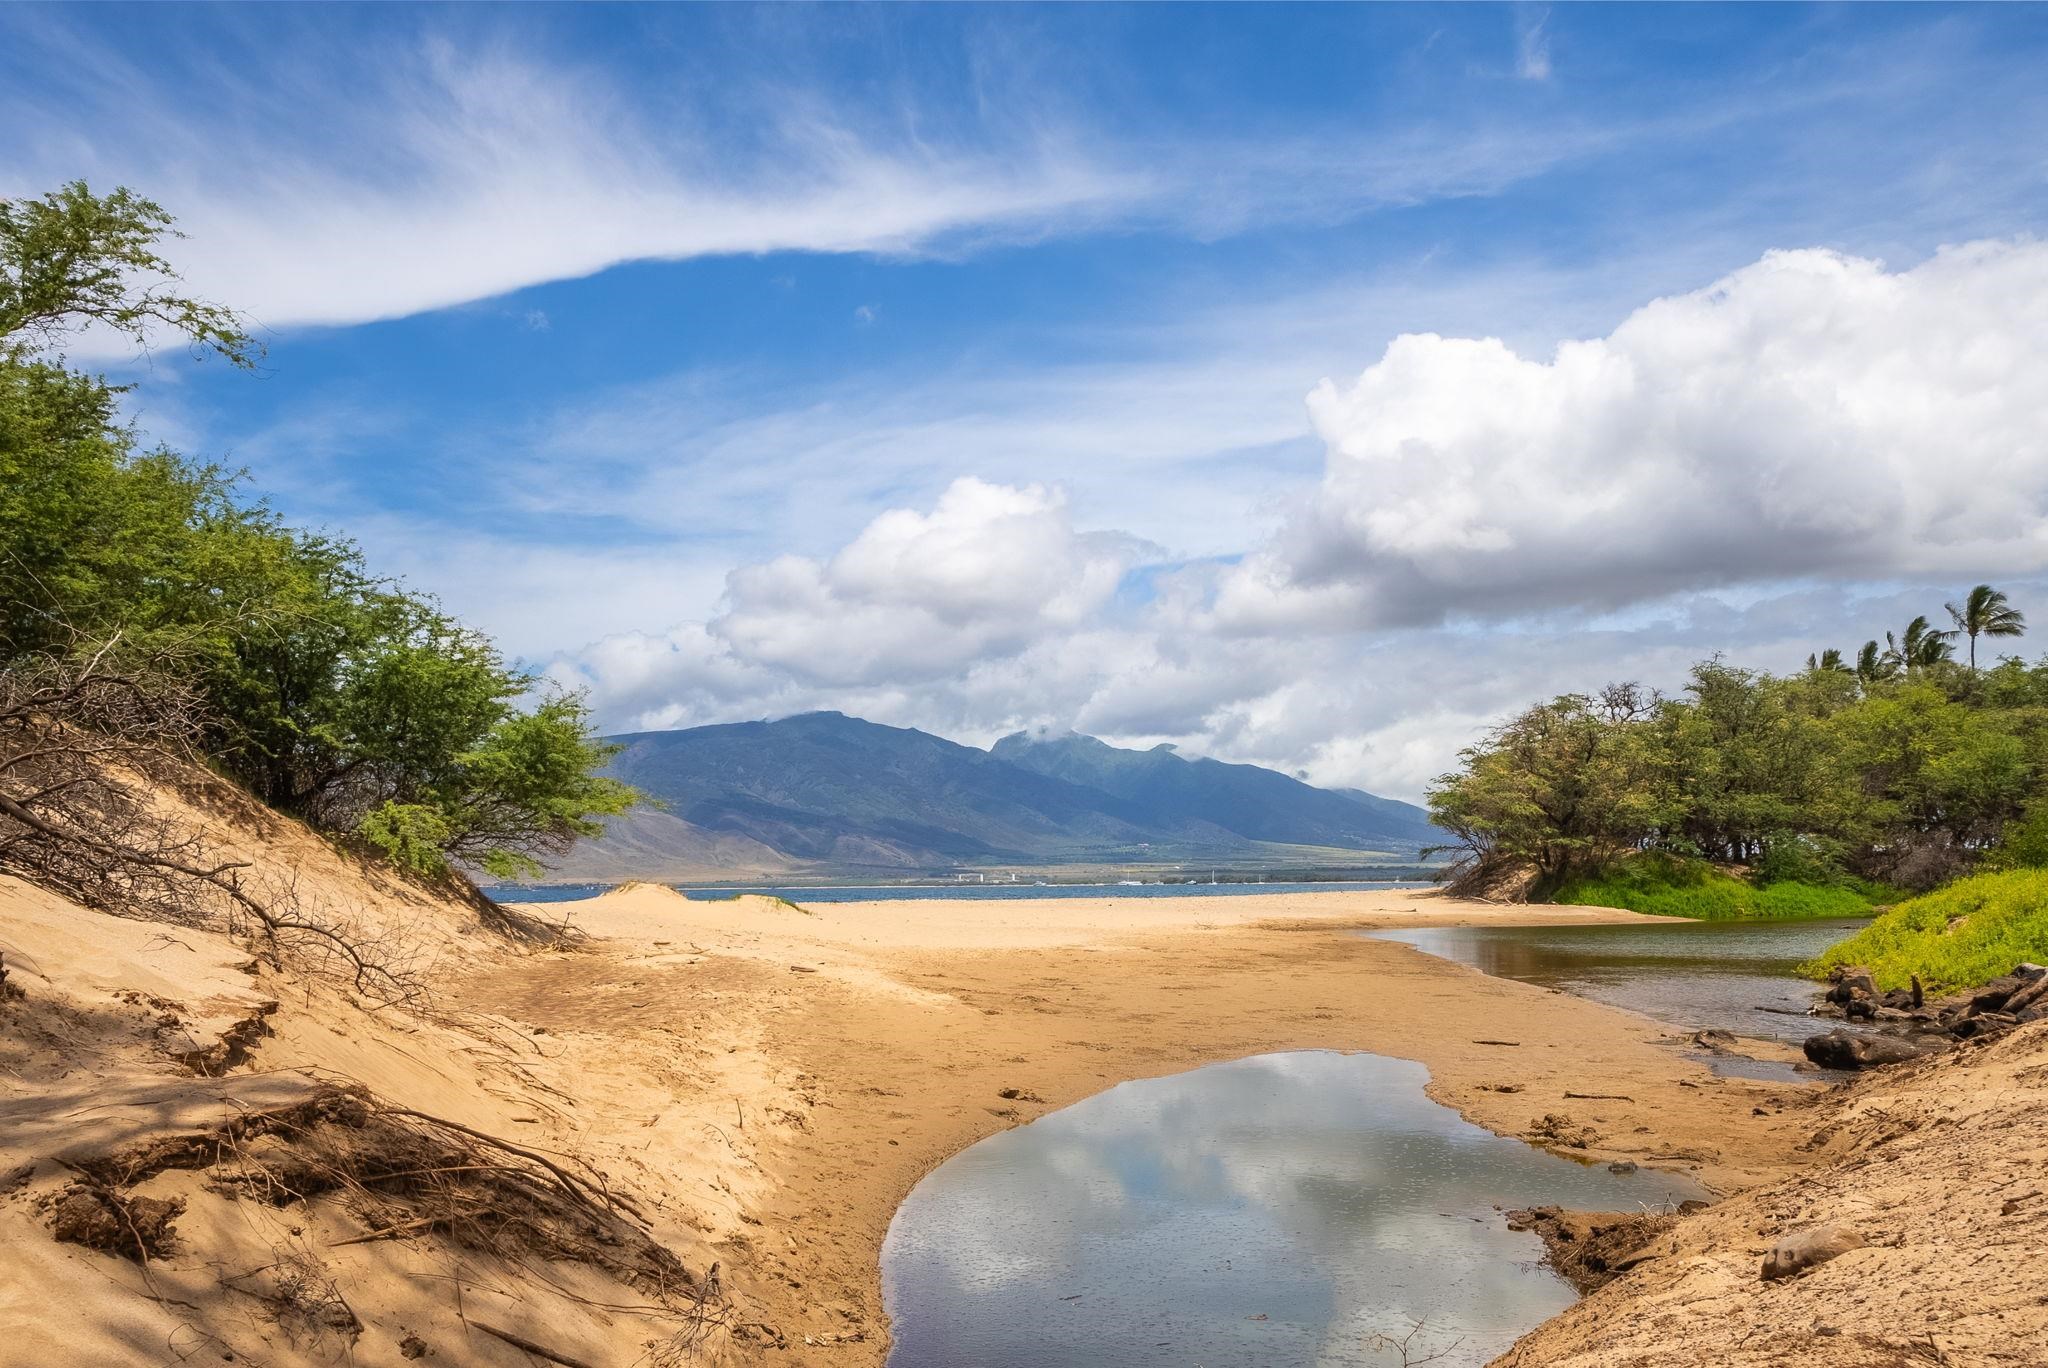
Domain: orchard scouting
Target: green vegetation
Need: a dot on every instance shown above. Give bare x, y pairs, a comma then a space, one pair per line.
1913, 771
1972, 931
1665, 886
332, 694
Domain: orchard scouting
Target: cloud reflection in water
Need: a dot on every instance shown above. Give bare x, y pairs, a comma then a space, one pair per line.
1155, 1223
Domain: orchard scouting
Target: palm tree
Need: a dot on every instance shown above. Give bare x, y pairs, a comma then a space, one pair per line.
1921, 646
1874, 666
1986, 613
1828, 662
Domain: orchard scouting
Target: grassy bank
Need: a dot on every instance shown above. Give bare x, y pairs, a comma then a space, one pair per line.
1665, 887
1955, 937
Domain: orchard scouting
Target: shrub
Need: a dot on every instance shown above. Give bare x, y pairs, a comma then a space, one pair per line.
1666, 886
1955, 937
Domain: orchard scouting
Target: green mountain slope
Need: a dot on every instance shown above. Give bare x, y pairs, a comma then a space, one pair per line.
841, 794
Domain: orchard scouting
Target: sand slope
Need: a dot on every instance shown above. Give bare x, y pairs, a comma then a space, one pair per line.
762, 1084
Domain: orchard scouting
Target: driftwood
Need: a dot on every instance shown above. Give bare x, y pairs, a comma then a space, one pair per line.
521, 1342
1600, 1097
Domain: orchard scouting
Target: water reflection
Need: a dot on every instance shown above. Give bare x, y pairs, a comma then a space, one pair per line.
1690, 974
1276, 1211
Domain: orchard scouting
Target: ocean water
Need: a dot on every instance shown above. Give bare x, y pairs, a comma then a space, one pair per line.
1274, 1212
971, 891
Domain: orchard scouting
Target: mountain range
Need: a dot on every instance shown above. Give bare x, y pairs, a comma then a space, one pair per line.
826, 794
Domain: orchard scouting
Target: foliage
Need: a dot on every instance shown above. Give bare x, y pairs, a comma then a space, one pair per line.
72, 259
1985, 611
2025, 845
1957, 937
1906, 770
332, 694
1668, 886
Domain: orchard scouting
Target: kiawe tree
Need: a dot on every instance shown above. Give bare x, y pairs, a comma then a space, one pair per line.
331, 693
1986, 612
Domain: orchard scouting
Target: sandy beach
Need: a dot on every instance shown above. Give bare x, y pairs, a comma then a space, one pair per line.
763, 1084
842, 1051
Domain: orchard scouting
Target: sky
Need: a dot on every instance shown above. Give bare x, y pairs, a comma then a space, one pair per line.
1304, 386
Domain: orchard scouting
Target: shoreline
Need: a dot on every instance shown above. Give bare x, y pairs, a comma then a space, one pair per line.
851, 1049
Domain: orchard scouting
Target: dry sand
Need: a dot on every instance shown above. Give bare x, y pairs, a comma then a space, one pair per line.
770, 1082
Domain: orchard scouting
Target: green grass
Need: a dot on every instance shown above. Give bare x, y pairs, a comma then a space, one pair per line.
1955, 937
1662, 886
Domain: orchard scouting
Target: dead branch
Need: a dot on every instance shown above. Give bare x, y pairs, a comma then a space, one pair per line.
521, 1342
83, 739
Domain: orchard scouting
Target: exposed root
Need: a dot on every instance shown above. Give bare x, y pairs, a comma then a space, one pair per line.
405, 1175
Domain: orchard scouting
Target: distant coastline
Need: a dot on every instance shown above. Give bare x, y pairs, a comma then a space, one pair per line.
1095, 886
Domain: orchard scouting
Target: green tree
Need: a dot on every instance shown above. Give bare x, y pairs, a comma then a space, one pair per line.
332, 694
1829, 661
1874, 665
1564, 786
72, 259
1986, 612
1921, 646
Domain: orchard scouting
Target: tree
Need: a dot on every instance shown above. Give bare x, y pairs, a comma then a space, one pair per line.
1829, 662
1986, 612
1920, 647
332, 694
1874, 665
1563, 786
72, 259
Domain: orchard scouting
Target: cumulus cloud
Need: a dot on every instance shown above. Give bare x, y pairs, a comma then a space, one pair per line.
1812, 414
989, 571
1640, 500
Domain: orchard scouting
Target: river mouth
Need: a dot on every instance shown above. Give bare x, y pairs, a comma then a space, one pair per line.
1739, 977
1278, 1211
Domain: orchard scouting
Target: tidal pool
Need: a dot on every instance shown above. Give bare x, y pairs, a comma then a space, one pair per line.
1274, 1212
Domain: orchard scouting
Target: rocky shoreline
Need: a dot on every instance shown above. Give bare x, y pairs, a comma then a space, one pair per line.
1903, 1023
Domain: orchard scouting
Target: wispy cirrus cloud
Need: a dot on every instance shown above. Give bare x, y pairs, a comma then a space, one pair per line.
325, 176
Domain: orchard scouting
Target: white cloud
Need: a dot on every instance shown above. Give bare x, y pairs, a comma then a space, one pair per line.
1812, 414
1532, 46
330, 180
1738, 464
917, 595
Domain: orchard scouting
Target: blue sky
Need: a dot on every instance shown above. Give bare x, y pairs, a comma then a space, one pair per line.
955, 365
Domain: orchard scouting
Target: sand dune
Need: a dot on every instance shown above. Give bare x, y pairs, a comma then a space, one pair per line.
760, 1083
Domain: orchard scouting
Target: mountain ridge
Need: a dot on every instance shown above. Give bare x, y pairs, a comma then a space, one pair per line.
825, 793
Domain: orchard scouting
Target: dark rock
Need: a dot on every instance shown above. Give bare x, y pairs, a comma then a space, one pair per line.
1843, 1050
1847, 983
1982, 1025
2030, 995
